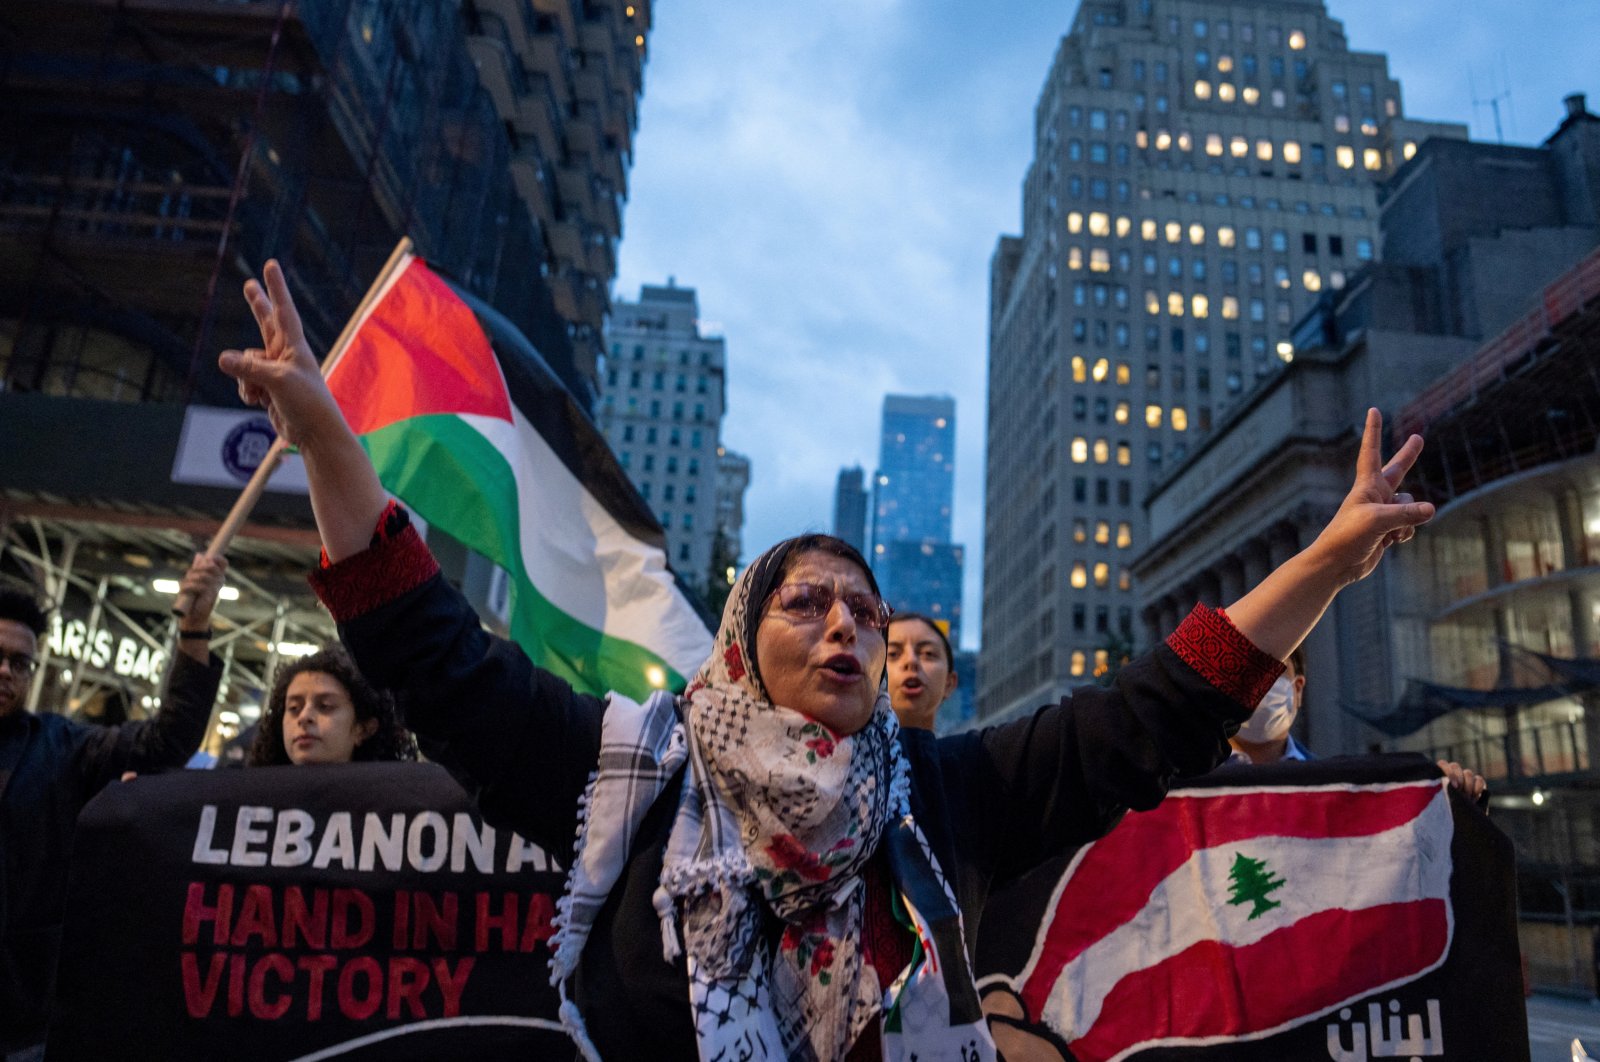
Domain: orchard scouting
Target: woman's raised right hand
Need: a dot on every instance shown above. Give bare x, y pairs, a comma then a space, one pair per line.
282, 375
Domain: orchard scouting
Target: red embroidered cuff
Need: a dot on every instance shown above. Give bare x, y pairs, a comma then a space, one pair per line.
397, 561
1208, 642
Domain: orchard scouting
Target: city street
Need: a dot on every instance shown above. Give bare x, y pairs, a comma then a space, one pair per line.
1552, 1023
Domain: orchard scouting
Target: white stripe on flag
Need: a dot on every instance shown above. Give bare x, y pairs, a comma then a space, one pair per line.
1407, 863
583, 561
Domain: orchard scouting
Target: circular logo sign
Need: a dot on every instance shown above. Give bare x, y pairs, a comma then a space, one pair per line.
246, 447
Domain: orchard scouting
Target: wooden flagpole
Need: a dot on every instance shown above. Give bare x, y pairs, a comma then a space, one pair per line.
245, 504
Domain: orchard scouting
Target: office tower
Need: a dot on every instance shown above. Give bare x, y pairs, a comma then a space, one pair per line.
917, 567
1202, 171
150, 159
565, 77
850, 507
663, 399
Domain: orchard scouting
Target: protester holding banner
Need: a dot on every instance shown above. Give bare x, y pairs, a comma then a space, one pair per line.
758, 844
921, 669
322, 711
51, 766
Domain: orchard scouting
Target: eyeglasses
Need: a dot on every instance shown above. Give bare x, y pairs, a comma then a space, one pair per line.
811, 601
22, 664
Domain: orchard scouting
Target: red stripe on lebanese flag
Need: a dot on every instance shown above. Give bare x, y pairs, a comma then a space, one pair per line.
419, 350
1194, 996
1110, 881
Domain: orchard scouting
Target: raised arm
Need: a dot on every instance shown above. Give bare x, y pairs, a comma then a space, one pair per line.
1278, 614
282, 376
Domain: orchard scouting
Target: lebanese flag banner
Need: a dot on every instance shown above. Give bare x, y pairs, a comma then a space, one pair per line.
1298, 911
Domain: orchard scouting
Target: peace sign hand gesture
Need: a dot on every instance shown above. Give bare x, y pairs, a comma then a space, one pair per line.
1375, 514
282, 375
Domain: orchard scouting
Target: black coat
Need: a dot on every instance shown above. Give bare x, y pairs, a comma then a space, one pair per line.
56, 766
994, 803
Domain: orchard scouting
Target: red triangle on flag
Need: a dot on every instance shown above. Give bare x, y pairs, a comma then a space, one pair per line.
419, 351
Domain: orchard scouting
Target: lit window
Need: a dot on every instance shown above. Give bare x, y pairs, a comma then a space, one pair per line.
1121, 417
1080, 450
1102, 578
1074, 257
1278, 98
1390, 107
1124, 579
1180, 419
1147, 228
1410, 149
1200, 306
1312, 280
1252, 95
1175, 304
1174, 232
1124, 535
1225, 236
1077, 663
1079, 370
1225, 92
1074, 222
1102, 451
1123, 373
1285, 350
1101, 367
1124, 225
1152, 416
1341, 123
1264, 150
1372, 159
1099, 224
1291, 152
1214, 144
1142, 139
1197, 234
1239, 147
1163, 140
1346, 156
1336, 279
1124, 451
1102, 533
1224, 63
1080, 531
1152, 302
1080, 579
1202, 90
1297, 40
1230, 307
1102, 657
1369, 127
1099, 260
1185, 142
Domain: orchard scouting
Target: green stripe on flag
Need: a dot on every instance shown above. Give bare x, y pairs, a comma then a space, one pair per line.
459, 482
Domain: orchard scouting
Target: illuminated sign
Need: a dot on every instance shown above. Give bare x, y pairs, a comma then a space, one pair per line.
128, 657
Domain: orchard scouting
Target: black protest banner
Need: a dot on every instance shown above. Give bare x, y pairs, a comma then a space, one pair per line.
277, 913
1346, 909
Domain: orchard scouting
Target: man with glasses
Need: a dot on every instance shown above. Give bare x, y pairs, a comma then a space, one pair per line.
50, 767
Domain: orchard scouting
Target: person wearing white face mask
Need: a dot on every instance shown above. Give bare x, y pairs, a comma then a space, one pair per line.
1265, 737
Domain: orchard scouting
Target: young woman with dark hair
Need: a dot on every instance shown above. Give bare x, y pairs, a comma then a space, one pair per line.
321, 710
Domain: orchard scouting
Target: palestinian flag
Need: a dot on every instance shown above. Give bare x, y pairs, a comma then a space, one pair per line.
467, 425
1233, 914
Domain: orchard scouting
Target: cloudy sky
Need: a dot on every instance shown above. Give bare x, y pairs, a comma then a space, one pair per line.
832, 177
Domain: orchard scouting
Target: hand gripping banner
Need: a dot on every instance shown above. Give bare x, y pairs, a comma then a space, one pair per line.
283, 913
1343, 909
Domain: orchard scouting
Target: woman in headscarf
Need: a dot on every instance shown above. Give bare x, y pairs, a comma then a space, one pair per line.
767, 867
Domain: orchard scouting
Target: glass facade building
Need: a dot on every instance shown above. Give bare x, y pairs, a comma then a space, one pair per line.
912, 500
1202, 172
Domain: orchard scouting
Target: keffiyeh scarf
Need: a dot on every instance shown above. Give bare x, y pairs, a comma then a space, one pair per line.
777, 812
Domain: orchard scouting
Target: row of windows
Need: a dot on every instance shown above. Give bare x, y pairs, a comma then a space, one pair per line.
1100, 573
674, 438
647, 463
632, 406
1251, 237
658, 382
669, 493
685, 357
1102, 534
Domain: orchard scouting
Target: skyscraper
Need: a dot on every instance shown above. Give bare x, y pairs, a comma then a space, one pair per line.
850, 507
1202, 171
663, 399
913, 494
